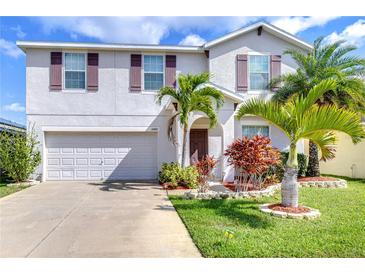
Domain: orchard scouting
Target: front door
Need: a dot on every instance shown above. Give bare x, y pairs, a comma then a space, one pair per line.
199, 142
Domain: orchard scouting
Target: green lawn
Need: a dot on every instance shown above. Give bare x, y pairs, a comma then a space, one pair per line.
339, 232
6, 189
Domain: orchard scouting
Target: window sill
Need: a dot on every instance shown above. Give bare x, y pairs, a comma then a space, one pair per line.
258, 91
71, 91
149, 91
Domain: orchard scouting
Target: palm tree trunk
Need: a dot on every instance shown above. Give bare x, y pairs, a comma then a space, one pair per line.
289, 185
313, 163
185, 132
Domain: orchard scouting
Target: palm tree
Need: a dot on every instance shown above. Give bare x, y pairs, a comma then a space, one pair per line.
193, 95
301, 118
326, 61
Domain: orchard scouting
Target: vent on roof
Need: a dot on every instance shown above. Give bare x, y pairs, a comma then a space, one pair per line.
259, 30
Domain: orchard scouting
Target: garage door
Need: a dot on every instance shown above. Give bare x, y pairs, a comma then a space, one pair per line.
101, 156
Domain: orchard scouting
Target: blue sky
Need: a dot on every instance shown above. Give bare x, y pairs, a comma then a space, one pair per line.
156, 30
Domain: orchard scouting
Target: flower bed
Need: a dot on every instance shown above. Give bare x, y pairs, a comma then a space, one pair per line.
322, 182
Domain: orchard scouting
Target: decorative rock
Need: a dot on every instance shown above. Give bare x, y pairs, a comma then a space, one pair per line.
295, 216
224, 195
312, 214
279, 214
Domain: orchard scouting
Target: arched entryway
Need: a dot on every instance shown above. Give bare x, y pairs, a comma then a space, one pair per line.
204, 140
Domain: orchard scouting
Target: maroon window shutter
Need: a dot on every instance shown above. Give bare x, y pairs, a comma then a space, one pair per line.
170, 77
92, 71
56, 71
275, 69
241, 71
135, 72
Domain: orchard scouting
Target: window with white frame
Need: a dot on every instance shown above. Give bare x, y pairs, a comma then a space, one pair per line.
259, 72
153, 72
251, 131
75, 70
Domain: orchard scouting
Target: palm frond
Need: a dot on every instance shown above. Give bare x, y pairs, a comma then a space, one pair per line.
166, 91
331, 118
326, 142
214, 93
270, 111
304, 102
299, 57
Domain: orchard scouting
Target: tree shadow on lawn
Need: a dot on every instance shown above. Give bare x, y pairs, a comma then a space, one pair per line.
234, 210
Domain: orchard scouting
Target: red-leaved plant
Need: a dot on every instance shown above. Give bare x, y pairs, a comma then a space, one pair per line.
253, 156
205, 167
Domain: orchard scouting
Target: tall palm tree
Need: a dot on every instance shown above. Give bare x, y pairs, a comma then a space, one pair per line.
326, 61
192, 95
301, 118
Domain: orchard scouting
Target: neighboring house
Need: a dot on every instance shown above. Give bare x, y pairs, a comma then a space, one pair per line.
94, 106
10, 126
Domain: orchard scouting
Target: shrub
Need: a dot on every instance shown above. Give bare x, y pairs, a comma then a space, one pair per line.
189, 176
174, 175
253, 156
19, 156
169, 173
302, 162
205, 167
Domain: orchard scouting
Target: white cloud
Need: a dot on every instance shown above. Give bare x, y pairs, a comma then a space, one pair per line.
19, 32
139, 29
353, 34
297, 24
192, 40
16, 107
10, 49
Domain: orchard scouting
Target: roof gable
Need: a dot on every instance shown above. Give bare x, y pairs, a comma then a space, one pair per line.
267, 27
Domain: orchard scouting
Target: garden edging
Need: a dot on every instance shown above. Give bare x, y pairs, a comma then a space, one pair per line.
312, 214
269, 191
339, 183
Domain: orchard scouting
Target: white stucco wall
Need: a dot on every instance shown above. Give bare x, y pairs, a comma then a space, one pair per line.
113, 96
222, 57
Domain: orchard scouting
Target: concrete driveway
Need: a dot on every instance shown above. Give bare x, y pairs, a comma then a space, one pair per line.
83, 219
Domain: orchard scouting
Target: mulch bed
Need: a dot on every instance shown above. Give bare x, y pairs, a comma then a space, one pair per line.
231, 186
279, 207
316, 179
167, 187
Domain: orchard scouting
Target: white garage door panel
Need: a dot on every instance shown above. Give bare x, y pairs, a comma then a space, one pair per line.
100, 156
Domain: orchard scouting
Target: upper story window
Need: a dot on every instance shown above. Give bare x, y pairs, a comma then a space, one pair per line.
259, 72
75, 70
153, 72
251, 131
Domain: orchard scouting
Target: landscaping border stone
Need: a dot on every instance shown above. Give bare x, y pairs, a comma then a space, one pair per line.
26, 183
312, 214
269, 191
339, 183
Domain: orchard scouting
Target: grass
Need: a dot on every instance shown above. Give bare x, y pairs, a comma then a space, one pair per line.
339, 232
6, 189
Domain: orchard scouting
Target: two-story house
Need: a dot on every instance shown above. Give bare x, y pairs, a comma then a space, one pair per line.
94, 110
